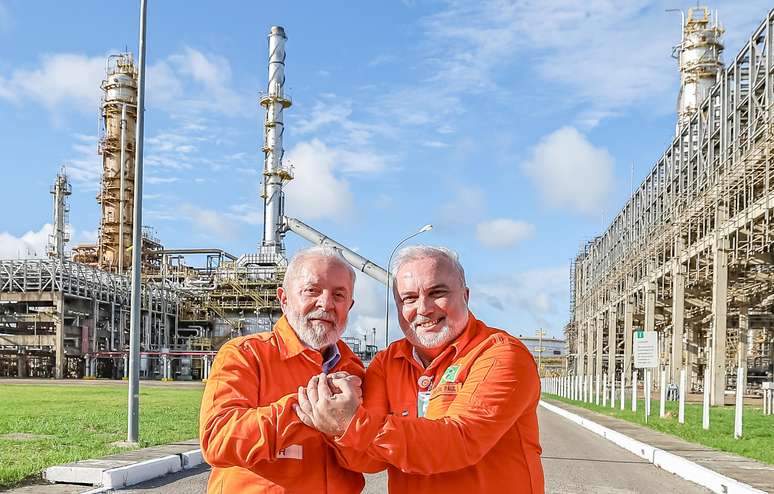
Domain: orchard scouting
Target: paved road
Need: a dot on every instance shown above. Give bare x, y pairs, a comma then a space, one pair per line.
575, 461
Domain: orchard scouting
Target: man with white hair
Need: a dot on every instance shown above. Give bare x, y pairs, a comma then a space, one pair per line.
249, 432
452, 407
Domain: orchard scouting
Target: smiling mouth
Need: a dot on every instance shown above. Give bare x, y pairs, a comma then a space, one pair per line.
428, 324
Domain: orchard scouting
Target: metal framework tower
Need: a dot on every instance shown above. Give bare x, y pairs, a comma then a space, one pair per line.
60, 234
275, 175
119, 114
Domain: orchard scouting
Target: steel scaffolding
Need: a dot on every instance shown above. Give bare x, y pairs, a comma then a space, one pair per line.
689, 255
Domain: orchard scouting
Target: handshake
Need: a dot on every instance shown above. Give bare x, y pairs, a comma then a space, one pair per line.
328, 403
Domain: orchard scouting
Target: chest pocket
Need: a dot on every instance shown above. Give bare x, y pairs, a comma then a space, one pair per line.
441, 398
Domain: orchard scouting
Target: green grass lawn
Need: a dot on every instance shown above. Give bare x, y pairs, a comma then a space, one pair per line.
83, 422
757, 440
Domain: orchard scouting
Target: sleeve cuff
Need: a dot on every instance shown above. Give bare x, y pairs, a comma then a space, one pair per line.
361, 431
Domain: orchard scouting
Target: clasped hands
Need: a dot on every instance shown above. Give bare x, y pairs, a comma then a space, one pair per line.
328, 403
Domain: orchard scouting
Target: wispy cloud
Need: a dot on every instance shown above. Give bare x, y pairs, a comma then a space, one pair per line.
539, 296
63, 81
503, 233
209, 88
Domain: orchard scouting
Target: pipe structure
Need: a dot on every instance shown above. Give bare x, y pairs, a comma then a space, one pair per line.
356, 260
122, 196
274, 174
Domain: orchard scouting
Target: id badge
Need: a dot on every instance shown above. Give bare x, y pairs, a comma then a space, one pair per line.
423, 399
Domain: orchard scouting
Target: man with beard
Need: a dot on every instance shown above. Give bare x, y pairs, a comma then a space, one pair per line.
452, 407
249, 432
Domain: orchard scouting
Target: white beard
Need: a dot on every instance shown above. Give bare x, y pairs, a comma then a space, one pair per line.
430, 340
315, 335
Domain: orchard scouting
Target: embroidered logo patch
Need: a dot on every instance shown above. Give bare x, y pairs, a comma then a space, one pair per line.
450, 374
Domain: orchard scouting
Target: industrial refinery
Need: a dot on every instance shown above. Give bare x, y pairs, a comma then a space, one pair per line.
67, 316
689, 255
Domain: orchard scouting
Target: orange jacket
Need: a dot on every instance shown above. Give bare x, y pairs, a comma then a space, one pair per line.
480, 431
249, 432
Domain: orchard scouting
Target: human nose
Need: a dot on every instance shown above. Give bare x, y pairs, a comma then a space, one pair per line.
424, 306
325, 300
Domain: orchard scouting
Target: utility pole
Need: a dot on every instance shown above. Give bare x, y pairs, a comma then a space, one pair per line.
540, 333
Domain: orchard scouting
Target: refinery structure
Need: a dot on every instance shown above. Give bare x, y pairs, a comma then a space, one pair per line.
67, 316
690, 254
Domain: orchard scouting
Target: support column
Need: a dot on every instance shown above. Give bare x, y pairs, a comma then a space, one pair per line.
598, 353
650, 306
580, 359
678, 315
611, 343
589, 346
719, 312
627, 358
59, 369
21, 365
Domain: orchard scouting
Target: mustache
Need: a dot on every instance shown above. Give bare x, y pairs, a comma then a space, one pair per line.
320, 314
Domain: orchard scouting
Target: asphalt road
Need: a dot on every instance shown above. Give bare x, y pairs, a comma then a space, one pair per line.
575, 461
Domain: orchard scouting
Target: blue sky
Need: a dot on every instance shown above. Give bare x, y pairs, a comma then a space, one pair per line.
512, 127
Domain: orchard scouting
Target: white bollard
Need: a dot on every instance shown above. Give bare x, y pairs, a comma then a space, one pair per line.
612, 392
634, 391
662, 395
705, 418
623, 393
739, 409
648, 390
604, 390
681, 404
596, 389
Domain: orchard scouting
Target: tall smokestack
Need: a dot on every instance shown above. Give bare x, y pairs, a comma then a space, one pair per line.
274, 174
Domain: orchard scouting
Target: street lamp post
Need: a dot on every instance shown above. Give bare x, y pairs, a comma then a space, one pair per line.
424, 229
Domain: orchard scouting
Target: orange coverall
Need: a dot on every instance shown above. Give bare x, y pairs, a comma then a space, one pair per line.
249, 432
480, 430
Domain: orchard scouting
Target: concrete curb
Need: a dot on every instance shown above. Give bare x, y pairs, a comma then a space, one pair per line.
124, 476
665, 460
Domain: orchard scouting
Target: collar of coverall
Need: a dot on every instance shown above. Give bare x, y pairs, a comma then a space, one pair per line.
405, 350
290, 346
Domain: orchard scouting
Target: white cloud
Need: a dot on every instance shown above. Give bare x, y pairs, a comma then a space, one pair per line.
570, 172
62, 80
502, 233
317, 190
30, 244
540, 296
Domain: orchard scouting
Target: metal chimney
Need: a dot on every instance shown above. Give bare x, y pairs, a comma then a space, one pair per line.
274, 174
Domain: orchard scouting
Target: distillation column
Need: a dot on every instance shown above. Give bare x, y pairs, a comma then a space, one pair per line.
274, 174
60, 236
119, 114
698, 55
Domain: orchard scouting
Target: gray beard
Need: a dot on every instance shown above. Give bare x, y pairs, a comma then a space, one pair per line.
314, 335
